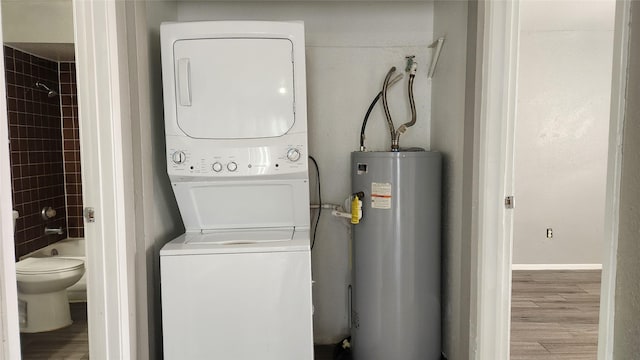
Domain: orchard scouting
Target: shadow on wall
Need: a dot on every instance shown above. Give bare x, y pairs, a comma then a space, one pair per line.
167, 215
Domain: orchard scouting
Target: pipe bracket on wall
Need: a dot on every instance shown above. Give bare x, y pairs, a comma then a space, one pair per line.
437, 46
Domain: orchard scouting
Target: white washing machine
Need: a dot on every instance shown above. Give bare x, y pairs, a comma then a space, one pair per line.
237, 284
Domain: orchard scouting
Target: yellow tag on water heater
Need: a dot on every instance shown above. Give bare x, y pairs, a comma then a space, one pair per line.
355, 210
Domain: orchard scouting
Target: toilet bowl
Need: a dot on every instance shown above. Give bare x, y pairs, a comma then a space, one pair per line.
42, 294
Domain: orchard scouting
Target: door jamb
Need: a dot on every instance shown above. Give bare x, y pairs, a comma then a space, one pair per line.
491, 285
494, 144
106, 161
614, 174
9, 325
107, 171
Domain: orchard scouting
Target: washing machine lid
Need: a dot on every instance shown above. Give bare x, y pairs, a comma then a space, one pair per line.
241, 237
234, 88
230, 241
35, 265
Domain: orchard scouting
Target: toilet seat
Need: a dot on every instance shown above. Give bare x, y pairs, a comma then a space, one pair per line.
47, 265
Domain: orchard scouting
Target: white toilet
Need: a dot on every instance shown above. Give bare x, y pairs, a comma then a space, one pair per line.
42, 292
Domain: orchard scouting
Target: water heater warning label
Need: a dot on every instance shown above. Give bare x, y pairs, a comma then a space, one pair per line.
381, 195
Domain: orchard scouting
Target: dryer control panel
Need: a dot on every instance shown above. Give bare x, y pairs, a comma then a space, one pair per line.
184, 161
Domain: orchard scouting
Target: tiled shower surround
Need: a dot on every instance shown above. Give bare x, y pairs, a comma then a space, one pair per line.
36, 145
71, 147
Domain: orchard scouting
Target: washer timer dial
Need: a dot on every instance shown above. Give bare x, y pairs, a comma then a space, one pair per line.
293, 154
179, 157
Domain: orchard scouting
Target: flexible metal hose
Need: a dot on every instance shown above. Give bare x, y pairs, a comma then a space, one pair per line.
412, 103
412, 67
373, 103
385, 105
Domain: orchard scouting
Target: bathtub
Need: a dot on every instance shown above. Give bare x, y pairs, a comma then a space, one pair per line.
69, 248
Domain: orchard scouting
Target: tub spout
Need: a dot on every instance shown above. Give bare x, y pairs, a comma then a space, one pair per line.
48, 231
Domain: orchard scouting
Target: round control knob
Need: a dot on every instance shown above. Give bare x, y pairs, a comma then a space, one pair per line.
217, 167
293, 154
179, 157
232, 166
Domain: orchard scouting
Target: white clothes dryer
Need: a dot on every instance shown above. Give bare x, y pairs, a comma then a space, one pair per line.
237, 284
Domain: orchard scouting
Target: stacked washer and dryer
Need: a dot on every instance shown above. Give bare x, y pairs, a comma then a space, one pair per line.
237, 284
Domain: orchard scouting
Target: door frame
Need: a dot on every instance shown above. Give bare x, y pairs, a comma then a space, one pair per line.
107, 177
498, 30
491, 286
9, 325
614, 174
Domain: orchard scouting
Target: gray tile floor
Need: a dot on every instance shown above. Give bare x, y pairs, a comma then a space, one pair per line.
71, 342
554, 315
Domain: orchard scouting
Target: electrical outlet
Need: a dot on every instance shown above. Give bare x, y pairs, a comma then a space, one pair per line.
549, 233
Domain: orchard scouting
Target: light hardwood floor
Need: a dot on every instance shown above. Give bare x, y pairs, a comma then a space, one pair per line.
554, 315
71, 342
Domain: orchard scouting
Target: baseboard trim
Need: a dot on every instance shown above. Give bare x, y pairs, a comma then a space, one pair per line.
556, 267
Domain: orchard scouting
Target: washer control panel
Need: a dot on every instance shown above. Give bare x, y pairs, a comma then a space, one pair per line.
233, 162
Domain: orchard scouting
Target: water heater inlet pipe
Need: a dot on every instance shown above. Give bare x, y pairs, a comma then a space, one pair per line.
385, 105
373, 103
412, 67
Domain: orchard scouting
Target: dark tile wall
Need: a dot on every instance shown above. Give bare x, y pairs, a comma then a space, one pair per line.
71, 146
35, 128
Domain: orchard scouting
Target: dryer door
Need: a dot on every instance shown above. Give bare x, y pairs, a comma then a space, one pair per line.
234, 88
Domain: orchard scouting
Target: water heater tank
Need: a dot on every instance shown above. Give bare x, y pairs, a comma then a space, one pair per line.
396, 256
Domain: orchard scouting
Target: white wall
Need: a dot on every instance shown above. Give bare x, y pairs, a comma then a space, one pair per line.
627, 298
51, 22
450, 88
564, 86
350, 47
